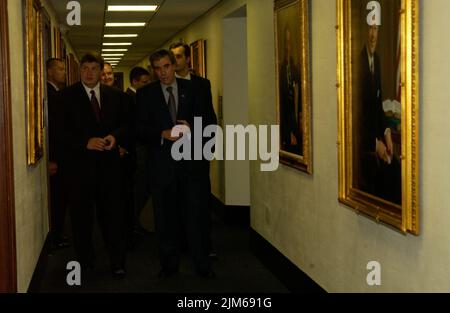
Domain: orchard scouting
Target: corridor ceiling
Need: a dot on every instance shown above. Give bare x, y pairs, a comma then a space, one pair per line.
171, 17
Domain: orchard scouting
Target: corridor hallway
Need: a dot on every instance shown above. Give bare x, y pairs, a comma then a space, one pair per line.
245, 256
238, 270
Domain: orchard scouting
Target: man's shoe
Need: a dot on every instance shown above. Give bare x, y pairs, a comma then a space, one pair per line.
209, 274
141, 231
119, 273
61, 243
166, 274
213, 256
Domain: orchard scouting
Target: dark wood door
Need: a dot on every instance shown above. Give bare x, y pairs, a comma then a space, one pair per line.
118, 80
8, 275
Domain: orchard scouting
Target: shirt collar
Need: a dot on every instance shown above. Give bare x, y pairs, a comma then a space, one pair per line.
132, 89
54, 86
174, 85
188, 76
96, 89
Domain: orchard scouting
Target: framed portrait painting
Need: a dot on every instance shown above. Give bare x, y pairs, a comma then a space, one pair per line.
34, 80
378, 59
293, 82
198, 57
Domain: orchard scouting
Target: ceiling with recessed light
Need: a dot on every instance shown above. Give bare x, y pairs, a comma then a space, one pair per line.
136, 42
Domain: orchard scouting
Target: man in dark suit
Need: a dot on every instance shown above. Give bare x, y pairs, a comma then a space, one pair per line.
139, 77
94, 123
378, 171
175, 184
290, 100
202, 89
56, 80
127, 151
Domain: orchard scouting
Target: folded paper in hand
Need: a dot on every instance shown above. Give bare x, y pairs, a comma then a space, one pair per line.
179, 130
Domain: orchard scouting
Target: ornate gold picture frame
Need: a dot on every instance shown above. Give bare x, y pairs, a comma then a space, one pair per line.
198, 57
293, 87
34, 81
378, 99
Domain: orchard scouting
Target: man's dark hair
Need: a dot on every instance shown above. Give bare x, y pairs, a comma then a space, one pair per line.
187, 49
52, 62
92, 57
137, 72
158, 55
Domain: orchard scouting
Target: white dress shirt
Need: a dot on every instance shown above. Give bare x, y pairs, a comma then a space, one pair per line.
97, 93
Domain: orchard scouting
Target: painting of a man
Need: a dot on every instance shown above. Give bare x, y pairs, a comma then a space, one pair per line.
290, 99
293, 83
377, 169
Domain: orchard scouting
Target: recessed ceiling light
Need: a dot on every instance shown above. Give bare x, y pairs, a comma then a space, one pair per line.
113, 55
112, 59
121, 36
135, 8
125, 24
117, 43
115, 50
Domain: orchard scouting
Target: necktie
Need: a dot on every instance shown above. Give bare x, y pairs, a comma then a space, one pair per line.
95, 106
371, 66
172, 105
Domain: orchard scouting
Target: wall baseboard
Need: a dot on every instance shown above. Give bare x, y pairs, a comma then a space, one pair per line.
232, 215
39, 271
286, 271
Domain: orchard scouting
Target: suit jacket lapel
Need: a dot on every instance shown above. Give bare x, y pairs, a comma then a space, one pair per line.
103, 102
164, 105
181, 99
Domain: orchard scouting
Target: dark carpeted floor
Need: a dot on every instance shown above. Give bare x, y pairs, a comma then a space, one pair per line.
237, 269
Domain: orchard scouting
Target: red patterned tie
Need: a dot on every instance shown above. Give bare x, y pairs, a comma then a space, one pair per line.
95, 106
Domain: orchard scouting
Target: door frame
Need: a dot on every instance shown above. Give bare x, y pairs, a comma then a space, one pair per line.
8, 269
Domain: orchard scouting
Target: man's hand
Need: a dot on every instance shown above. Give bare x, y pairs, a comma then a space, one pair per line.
110, 142
52, 168
382, 152
122, 152
184, 123
96, 144
167, 134
293, 140
389, 144
181, 129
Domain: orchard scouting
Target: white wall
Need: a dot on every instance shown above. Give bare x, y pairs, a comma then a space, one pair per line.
30, 183
300, 214
235, 106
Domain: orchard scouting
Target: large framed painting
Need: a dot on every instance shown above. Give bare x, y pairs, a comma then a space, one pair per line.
292, 44
198, 57
378, 85
34, 80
